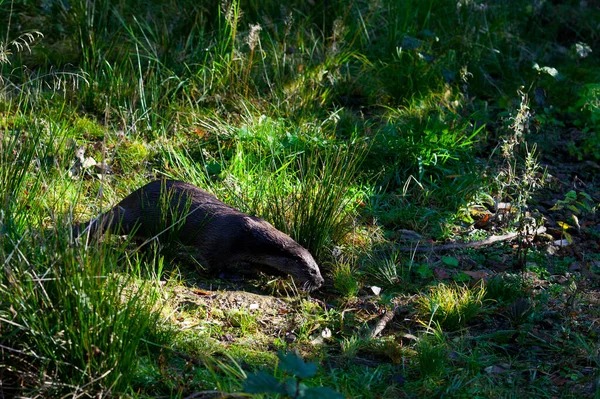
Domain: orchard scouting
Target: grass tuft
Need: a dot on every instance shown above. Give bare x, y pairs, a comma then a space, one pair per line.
451, 306
345, 280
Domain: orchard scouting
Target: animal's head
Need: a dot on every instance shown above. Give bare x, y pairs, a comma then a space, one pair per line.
274, 249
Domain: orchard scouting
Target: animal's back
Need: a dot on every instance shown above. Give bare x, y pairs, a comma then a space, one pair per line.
182, 211
162, 203
222, 234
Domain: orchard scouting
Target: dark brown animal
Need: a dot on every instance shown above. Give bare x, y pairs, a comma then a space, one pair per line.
223, 235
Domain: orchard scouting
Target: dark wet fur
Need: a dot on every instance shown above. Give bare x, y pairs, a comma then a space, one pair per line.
223, 235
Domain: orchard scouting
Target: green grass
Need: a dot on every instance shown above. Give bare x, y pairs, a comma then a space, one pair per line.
341, 124
451, 307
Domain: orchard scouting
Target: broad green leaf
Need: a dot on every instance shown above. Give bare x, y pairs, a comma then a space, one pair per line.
568, 237
573, 208
262, 382
461, 277
293, 364
321, 393
571, 195
450, 261
293, 388
585, 195
424, 271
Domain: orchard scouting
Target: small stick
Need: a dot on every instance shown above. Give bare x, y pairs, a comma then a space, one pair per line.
388, 315
473, 244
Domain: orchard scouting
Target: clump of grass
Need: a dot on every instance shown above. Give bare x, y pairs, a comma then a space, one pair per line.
243, 320
67, 316
70, 319
451, 306
520, 311
504, 287
345, 279
390, 268
304, 187
313, 318
432, 354
350, 346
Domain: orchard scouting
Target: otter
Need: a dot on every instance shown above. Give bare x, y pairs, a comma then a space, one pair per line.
223, 236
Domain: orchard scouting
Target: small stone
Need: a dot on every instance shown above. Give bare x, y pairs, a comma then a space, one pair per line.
318, 340
291, 338
227, 338
88, 163
103, 168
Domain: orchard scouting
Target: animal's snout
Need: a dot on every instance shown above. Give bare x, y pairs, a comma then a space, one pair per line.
315, 278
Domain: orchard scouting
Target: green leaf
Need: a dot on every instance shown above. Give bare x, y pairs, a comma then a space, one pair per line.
263, 382
571, 195
321, 393
293, 388
569, 237
293, 364
573, 209
450, 261
585, 195
213, 168
461, 277
424, 271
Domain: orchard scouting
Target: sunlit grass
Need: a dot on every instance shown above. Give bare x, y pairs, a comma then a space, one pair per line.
321, 118
451, 306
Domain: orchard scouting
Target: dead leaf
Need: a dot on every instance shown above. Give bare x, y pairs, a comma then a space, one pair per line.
484, 221
440, 273
476, 275
559, 380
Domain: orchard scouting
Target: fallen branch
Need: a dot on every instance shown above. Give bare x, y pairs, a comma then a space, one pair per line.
473, 244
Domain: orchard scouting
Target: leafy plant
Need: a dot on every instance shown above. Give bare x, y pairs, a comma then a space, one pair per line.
424, 271
540, 271
578, 204
293, 371
589, 122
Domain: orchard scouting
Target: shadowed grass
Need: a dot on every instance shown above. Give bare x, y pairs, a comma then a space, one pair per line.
66, 315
